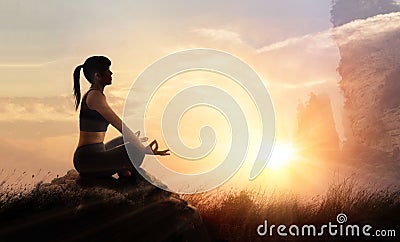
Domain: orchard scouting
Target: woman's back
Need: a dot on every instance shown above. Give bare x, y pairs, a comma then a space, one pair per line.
92, 124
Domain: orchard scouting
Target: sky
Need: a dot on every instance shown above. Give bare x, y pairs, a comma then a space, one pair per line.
287, 43
56, 34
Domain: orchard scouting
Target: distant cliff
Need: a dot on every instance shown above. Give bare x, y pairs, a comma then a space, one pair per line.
370, 71
316, 133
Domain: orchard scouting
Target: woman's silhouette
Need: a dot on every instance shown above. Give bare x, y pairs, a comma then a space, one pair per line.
92, 157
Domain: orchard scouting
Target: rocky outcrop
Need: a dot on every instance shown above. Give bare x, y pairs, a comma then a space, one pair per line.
370, 73
366, 69
316, 134
73, 208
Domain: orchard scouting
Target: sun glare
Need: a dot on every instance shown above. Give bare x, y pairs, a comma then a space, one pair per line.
281, 156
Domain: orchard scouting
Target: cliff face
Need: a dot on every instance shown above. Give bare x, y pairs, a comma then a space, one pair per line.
369, 84
72, 208
370, 73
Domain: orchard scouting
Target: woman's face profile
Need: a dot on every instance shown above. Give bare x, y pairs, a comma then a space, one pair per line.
106, 77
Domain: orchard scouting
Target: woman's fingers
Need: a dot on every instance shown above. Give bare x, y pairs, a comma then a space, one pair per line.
143, 139
156, 146
163, 152
155, 149
150, 146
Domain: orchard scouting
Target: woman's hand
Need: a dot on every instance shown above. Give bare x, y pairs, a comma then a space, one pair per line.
154, 150
143, 139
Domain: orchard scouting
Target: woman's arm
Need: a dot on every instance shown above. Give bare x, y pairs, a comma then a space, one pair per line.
97, 101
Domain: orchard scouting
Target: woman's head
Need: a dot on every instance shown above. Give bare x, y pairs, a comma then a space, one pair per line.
95, 65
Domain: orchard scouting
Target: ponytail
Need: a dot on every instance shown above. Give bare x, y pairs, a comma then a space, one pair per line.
92, 65
77, 87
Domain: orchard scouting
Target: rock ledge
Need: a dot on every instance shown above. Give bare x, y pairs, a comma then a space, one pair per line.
75, 208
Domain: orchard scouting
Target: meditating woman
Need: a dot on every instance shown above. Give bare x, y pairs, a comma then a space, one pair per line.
92, 157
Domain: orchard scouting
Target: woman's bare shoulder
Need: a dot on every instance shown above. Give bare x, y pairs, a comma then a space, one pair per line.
95, 99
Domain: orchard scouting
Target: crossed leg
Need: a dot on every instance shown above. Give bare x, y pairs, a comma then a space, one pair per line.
116, 147
114, 142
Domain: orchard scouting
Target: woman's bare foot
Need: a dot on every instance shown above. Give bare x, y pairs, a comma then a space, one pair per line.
124, 173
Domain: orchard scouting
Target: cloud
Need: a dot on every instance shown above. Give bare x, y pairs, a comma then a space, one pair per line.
55, 108
33, 130
303, 84
220, 35
59, 108
355, 30
299, 65
318, 40
314, 57
372, 27
33, 118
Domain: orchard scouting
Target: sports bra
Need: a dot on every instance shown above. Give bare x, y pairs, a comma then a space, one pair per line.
91, 120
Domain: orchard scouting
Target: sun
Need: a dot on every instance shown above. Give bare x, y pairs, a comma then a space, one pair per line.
281, 156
